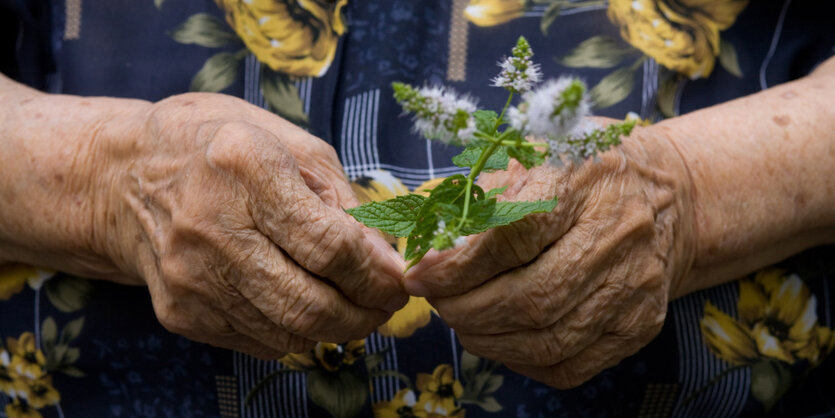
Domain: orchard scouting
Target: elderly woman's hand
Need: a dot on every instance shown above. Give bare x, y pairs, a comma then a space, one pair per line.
231, 216
683, 205
561, 296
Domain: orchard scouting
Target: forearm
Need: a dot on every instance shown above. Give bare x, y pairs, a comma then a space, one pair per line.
763, 173
50, 182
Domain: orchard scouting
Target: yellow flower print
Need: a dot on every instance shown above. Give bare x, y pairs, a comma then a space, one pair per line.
777, 320
377, 186
415, 315
327, 356
493, 12
14, 276
8, 377
439, 391
402, 406
294, 37
27, 360
39, 392
20, 409
682, 35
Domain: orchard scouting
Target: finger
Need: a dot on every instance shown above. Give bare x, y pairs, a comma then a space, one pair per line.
500, 249
607, 352
193, 317
318, 162
324, 240
574, 269
299, 303
543, 347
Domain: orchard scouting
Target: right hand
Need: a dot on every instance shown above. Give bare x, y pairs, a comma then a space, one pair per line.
233, 217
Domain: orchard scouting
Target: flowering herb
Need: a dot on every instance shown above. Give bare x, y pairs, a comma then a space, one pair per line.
553, 112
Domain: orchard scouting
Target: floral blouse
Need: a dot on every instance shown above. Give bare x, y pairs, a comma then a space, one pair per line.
71, 347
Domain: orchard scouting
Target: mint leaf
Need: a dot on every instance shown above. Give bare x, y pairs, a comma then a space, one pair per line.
437, 206
485, 121
495, 192
469, 157
506, 213
527, 156
394, 216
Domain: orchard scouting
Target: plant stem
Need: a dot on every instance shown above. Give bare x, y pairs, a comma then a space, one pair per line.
522, 144
479, 165
707, 385
504, 109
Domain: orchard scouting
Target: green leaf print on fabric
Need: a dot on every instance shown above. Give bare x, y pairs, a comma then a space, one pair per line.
282, 96
597, 52
218, 73
205, 30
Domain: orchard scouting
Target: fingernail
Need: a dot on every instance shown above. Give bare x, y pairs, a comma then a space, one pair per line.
414, 287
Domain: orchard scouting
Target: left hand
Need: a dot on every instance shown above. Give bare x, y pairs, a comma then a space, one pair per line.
561, 296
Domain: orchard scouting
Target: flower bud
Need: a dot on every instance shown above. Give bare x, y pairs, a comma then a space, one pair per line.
493, 12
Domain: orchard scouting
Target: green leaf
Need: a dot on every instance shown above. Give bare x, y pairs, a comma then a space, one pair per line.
469, 157
489, 404
68, 293
551, 14
509, 212
596, 52
770, 380
282, 96
71, 371
485, 121
266, 381
668, 84
372, 361
450, 192
341, 393
49, 333
613, 88
728, 58
72, 330
495, 192
71, 355
203, 29
218, 73
493, 383
394, 216
469, 364
527, 156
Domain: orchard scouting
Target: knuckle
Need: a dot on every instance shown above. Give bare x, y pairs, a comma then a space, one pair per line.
304, 314
479, 346
172, 318
232, 146
535, 303
546, 349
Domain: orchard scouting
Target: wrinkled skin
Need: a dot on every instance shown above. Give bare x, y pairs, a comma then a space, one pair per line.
561, 296
233, 217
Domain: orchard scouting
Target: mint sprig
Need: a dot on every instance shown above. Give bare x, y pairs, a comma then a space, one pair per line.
458, 207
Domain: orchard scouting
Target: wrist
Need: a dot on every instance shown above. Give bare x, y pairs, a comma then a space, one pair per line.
55, 180
762, 170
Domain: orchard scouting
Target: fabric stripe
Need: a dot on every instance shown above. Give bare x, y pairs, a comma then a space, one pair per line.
358, 147
697, 365
778, 30
458, 43
454, 346
72, 23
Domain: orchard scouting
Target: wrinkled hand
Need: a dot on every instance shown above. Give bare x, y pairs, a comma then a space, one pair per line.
561, 296
234, 219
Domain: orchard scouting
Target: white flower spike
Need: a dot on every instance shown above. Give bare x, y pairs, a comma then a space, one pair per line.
519, 74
